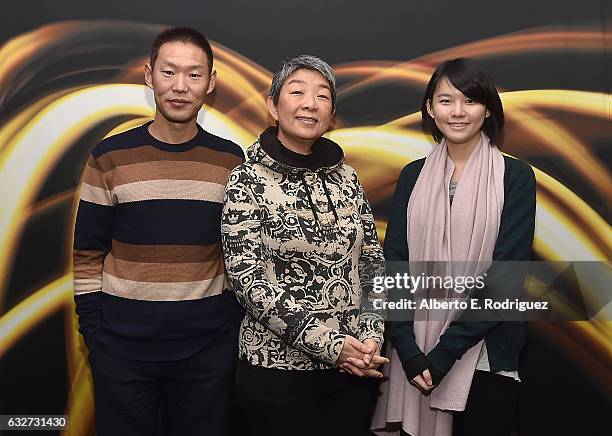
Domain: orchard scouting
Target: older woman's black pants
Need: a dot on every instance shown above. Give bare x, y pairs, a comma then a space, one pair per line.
305, 403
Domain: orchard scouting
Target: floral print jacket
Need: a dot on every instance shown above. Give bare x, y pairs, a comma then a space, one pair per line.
301, 251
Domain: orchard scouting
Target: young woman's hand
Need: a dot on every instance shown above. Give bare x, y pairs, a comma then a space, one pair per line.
423, 381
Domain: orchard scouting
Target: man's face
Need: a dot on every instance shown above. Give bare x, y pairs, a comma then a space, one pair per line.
180, 81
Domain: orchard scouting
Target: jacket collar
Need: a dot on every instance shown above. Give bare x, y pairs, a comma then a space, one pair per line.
326, 155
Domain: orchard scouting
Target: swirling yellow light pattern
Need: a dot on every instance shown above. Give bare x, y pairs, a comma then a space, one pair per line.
418, 71
16, 323
552, 135
33, 152
18, 50
34, 141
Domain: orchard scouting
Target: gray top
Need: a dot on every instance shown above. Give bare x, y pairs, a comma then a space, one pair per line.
452, 187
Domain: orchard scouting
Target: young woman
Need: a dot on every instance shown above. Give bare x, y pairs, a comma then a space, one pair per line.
301, 249
465, 203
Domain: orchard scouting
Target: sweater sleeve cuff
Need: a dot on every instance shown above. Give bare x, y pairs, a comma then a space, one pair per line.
415, 365
320, 342
436, 376
441, 359
371, 326
334, 350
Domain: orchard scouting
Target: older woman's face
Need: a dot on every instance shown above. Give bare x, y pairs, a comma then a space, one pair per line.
304, 108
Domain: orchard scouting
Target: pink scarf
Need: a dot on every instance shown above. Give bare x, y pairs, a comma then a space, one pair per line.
437, 232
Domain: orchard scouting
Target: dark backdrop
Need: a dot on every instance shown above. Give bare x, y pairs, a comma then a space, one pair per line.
566, 373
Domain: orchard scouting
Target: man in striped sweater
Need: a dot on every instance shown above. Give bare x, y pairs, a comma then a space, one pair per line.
150, 287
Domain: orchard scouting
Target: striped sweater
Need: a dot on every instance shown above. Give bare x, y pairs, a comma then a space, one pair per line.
148, 267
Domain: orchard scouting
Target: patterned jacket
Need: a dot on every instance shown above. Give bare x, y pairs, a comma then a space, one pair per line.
300, 250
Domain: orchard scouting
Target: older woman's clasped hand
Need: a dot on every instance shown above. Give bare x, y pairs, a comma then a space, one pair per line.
361, 358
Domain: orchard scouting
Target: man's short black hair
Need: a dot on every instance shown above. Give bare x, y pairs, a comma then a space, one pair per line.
182, 34
474, 82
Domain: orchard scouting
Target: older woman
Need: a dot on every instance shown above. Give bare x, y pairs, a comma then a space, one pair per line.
300, 247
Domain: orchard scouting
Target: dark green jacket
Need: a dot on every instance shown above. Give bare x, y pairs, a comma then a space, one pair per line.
504, 340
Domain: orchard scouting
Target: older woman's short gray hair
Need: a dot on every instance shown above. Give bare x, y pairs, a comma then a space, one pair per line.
307, 62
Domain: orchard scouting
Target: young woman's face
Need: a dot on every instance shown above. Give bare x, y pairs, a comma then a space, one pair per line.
458, 117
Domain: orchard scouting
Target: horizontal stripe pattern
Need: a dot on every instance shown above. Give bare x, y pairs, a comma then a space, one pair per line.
164, 170
88, 263
94, 194
169, 291
87, 286
175, 222
152, 212
163, 272
169, 190
93, 175
148, 153
166, 253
